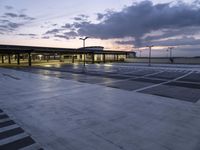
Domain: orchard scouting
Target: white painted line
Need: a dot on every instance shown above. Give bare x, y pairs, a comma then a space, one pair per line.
131, 78
153, 74
13, 138
4, 120
34, 146
155, 85
9, 128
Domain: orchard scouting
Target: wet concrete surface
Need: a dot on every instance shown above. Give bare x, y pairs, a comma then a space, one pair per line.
79, 111
126, 78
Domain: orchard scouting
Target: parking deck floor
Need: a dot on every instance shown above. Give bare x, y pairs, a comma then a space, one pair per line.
118, 106
180, 84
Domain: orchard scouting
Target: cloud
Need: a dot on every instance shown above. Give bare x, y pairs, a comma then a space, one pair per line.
167, 33
70, 34
100, 16
8, 7
140, 19
130, 42
19, 16
178, 42
138, 22
30, 34
11, 21
78, 18
53, 31
45, 37
81, 18
183, 41
67, 26
25, 17
8, 26
12, 15
62, 36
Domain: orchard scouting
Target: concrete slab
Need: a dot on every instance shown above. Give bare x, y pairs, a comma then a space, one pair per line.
168, 75
148, 80
176, 92
128, 85
142, 72
194, 77
183, 84
14, 137
65, 114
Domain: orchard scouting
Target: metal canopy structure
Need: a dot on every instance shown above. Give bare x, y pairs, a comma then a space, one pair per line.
17, 50
6, 49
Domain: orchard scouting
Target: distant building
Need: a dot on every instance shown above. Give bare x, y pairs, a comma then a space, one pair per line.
92, 48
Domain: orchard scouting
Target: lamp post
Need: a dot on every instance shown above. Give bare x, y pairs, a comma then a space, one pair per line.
170, 53
84, 39
150, 47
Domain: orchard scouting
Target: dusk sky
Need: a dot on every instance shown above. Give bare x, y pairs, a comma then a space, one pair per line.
114, 24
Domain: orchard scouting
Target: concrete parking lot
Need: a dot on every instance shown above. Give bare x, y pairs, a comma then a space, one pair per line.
180, 84
111, 107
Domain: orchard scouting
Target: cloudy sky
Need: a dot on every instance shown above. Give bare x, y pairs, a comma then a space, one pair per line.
114, 24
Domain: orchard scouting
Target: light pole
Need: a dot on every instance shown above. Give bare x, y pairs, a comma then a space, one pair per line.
150, 47
84, 39
170, 53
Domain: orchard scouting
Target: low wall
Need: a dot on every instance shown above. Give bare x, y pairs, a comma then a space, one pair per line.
176, 60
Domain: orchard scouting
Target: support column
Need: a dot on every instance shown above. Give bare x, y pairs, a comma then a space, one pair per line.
73, 58
92, 58
126, 55
9, 60
104, 58
60, 57
2, 59
117, 57
18, 59
114, 57
47, 57
29, 60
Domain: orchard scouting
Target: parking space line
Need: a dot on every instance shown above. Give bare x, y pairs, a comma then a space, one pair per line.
34, 146
153, 73
18, 144
155, 85
130, 78
13, 138
4, 120
8, 128
7, 123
